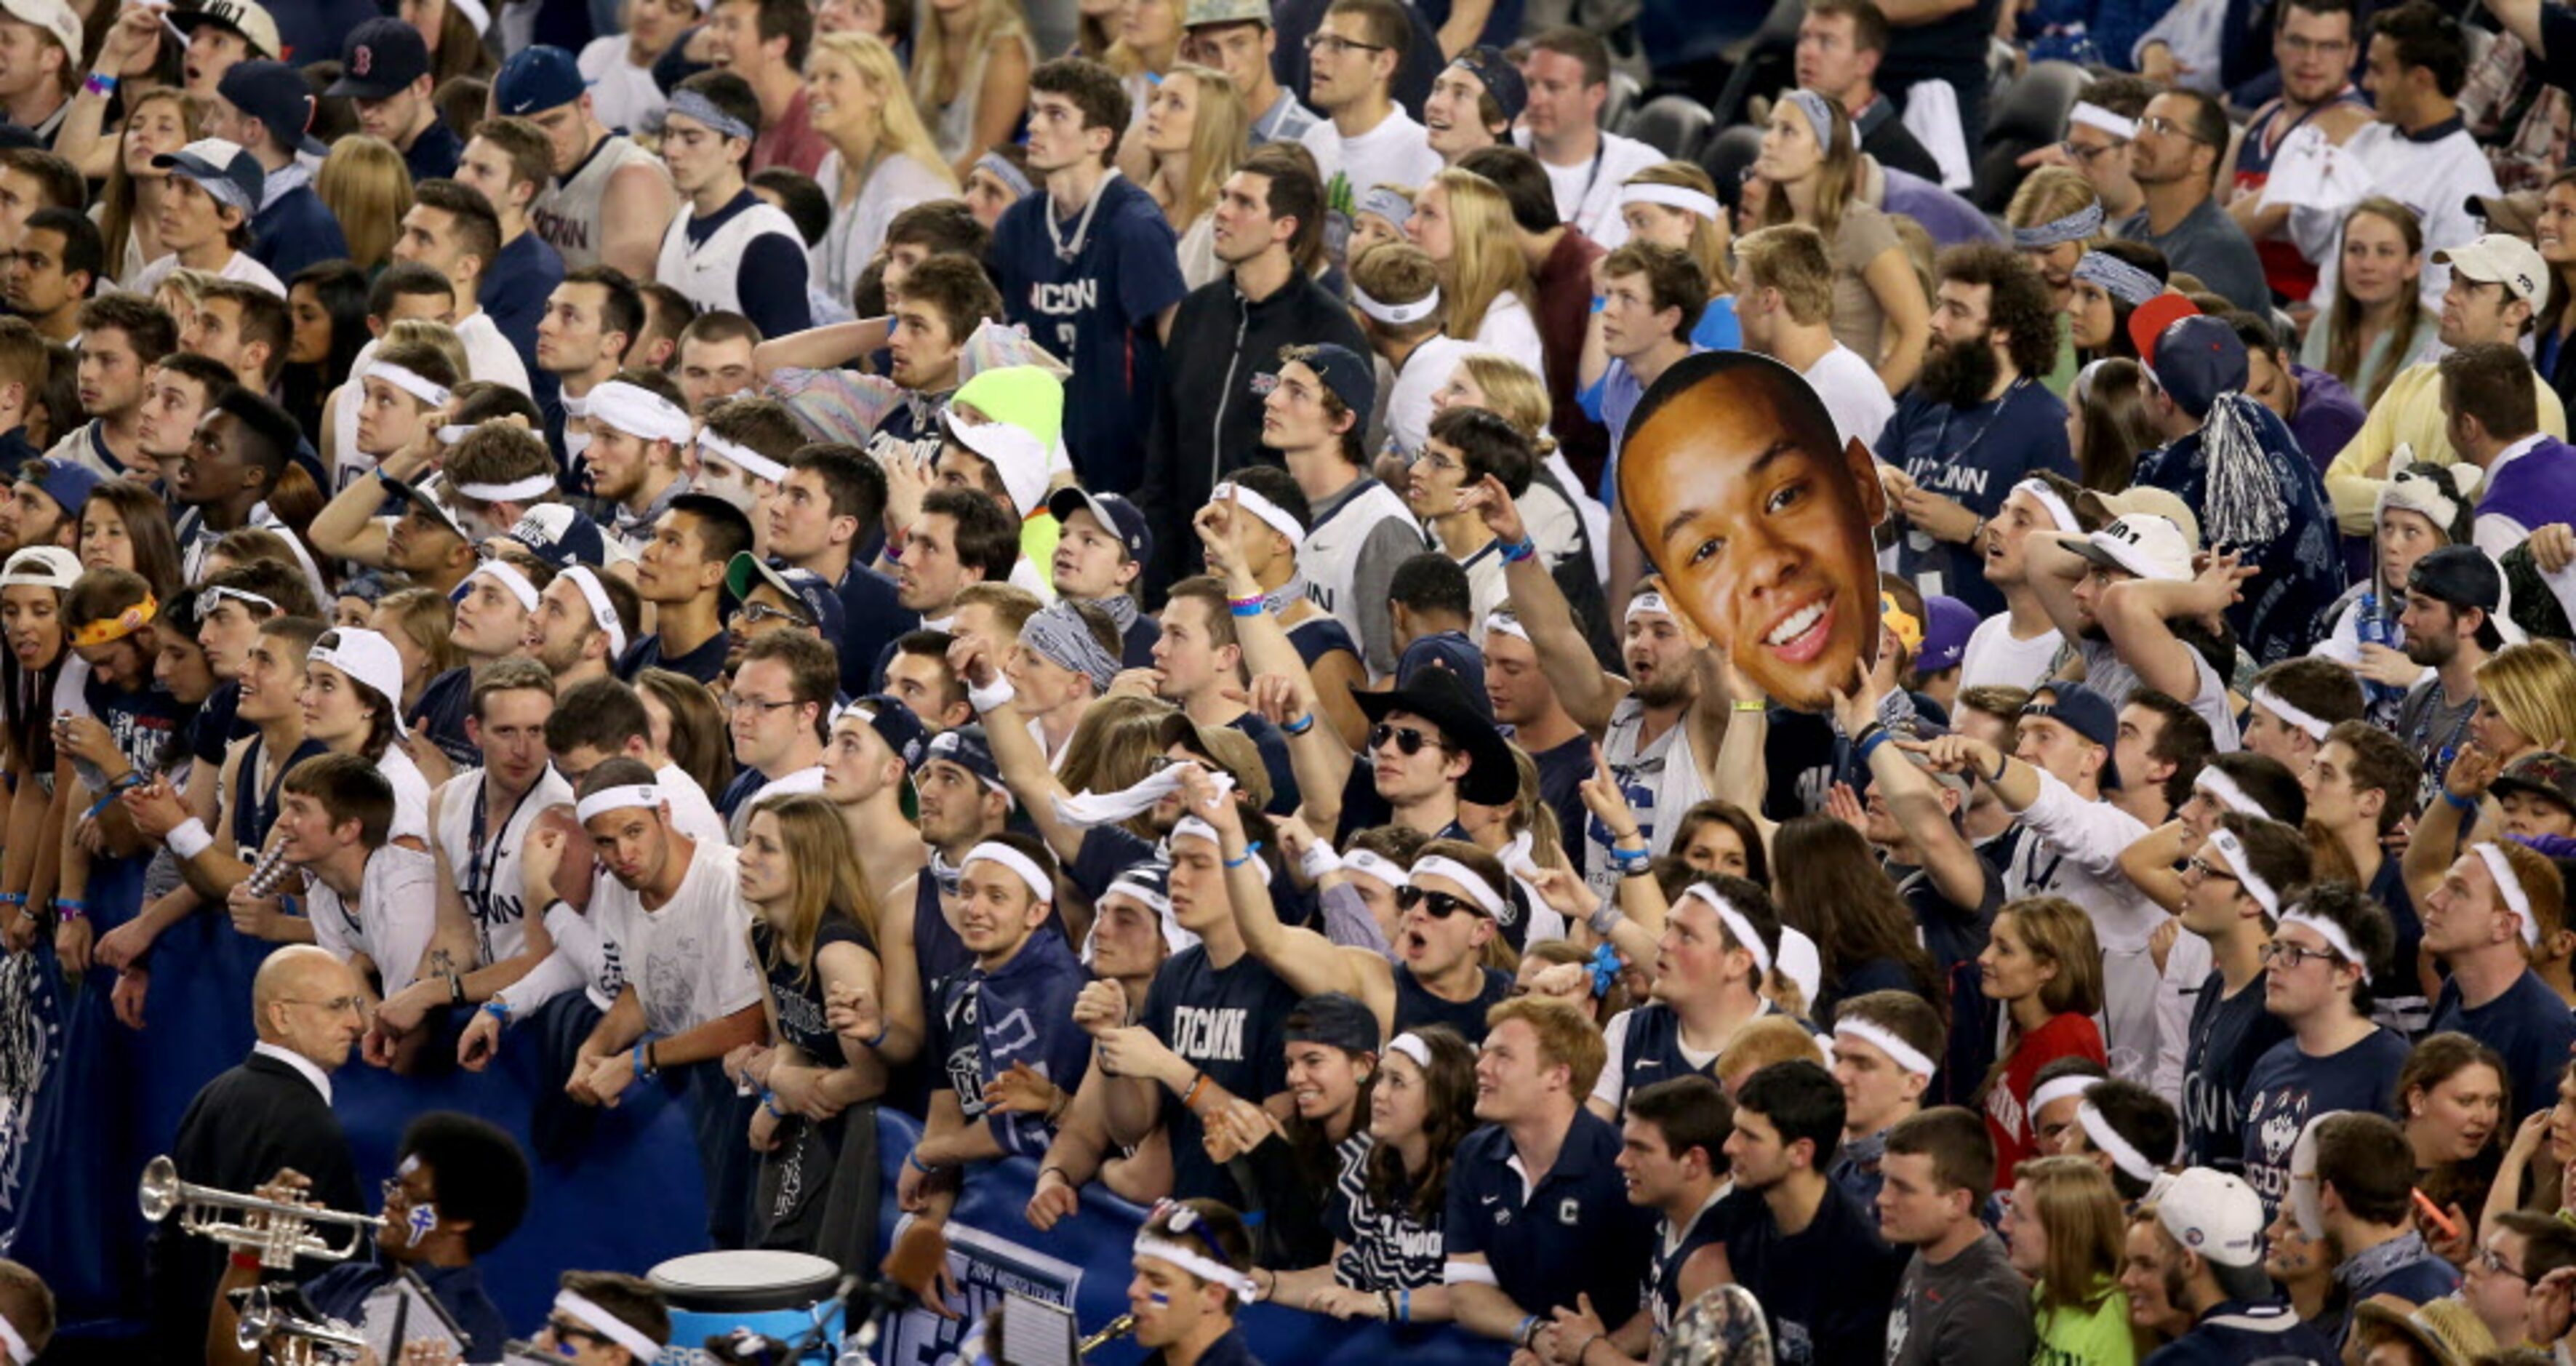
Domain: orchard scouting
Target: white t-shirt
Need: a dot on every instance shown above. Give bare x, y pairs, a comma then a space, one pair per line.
411, 795
622, 94
1408, 400
243, 267
2070, 847
802, 780
1396, 152
1853, 393
486, 864
690, 961
1995, 656
1509, 330
489, 356
394, 920
693, 813
1587, 192
859, 227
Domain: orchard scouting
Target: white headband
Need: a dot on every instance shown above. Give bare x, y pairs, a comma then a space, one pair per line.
2061, 1088
602, 611
1883, 1039
2058, 511
1090, 808
1396, 315
516, 491
638, 411
19, 1353
750, 462
1670, 196
610, 1326
1508, 624
218, 592
1411, 1045
410, 381
2095, 116
1736, 925
2334, 936
454, 433
2225, 842
2229, 795
1204, 1267
509, 577
1270, 513
1478, 889
2509, 886
1192, 828
616, 799
2307, 723
1376, 865
1648, 601
2124, 1154
994, 851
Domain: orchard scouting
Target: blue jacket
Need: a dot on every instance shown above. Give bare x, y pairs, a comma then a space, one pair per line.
296, 231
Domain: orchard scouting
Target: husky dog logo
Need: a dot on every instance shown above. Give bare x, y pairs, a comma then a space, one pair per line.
2278, 1133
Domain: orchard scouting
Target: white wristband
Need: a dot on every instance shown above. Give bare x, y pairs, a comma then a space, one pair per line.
992, 696
189, 839
1318, 860
1604, 919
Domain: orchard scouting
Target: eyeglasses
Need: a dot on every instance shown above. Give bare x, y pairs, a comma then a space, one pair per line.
753, 613
2206, 868
1334, 45
2088, 155
337, 1005
395, 1192
2295, 955
2489, 1259
2159, 124
1437, 905
1409, 740
735, 704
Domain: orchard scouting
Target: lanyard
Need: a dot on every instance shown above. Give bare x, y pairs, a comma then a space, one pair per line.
479, 871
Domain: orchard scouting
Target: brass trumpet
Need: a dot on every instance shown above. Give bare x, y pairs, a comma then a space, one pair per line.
1118, 1327
301, 1341
280, 1238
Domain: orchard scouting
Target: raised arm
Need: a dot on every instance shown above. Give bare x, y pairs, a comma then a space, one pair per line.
347, 527
1306, 960
1016, 752
833, 346
1587, 690
2054, 570
2137, 614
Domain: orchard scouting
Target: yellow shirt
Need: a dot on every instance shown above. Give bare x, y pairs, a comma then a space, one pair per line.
2410, 413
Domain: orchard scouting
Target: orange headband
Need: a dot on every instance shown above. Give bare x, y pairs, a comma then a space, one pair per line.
117, 627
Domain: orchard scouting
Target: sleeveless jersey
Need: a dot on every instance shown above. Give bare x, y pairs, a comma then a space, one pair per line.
2290, 274
1651, 1049
1331, 556
566, 215
1415, 1006
708, 274
1662, 780
1663, 1291
254, 806
482, 849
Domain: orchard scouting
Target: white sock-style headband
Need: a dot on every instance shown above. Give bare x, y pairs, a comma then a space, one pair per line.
516, 491
1396, 315
2509, 886
1196, 1263
1883, 1039
994, 851
2095, 116
1737, 926
509, 577
2226, 843
602, 611
2124, 1154
2307, 723
2061, 1088
1374, 864
616, 799
1670, 196
749, 461
1271, 514
410, 381
2334, 936
2224, 789
1411, 1045
610, 1326
2058, 511
1478, 889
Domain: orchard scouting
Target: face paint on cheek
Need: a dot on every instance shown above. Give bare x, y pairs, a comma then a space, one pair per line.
1158, 1299
422, 1223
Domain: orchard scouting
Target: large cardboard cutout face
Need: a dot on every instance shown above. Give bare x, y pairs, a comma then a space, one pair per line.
1759, 521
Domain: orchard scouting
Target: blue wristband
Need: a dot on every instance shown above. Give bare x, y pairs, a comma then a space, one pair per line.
1253, 608
2465, 805
1299, 726
913, 1160
1249, 851
498, 1009
769, 1102
1870, 745
1525, 548
639, 1061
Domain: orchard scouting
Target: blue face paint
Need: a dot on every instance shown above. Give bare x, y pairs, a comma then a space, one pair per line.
423, 1221
1158, 1299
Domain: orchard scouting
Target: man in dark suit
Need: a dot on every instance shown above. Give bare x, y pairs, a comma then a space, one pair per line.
273, 1111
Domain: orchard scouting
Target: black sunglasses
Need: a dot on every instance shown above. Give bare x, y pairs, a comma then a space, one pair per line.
1409, 740
1439, 905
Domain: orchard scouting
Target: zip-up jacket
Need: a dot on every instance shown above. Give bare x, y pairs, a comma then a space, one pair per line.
1222, 360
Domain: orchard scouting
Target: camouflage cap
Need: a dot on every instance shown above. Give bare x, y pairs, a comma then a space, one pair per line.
1226, 12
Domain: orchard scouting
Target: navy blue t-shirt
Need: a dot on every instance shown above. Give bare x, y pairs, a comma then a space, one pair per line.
2528, 1026
1973, 456
2287, 1088
1572, 1233
2228, 1036
434, 154
1826, 1289
1231, 1024
1416, 1006
1285, 796
524, 272
440, 715
872, 619
1561, 772
704, 663
342, 1292
294, 231
2235, 1333
1096, 311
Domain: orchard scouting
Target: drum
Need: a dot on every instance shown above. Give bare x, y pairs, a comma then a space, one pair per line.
775, 1294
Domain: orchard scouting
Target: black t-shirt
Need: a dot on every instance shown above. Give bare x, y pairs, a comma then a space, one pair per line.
1231, 1024
798, 989
211, 731
2228, 1035
1561, 772
1826, 1289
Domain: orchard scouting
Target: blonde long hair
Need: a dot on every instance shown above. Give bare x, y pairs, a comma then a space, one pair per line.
995, 20
2533, 687
1485, 253
368, 188
899, 126
116, 203
1513, 394
2074, 1201
1708, 237
1220, 134
827, 875
1835, 174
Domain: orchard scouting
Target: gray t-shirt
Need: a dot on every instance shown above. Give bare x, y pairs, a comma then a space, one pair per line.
2435, 730
2209, 245
1971, 1308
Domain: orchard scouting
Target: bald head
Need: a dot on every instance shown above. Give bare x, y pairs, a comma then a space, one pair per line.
305, 1000
27, 1304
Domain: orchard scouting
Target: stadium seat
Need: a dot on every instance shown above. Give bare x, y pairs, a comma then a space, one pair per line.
1621, 108
1672, 124
2027, 114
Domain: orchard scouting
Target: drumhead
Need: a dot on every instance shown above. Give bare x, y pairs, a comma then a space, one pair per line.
745, 1280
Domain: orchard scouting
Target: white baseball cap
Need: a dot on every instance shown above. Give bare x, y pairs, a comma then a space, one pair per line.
2501, 259
45, 566
367, 657
2144, 544
2213, 1214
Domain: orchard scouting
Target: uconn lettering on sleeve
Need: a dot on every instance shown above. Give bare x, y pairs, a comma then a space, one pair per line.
1205, 1035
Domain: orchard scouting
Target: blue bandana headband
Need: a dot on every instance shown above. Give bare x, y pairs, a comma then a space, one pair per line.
1003, 171
691, 104
2118, 278
1820, 116
2074, 227
1387, 204
1058, 634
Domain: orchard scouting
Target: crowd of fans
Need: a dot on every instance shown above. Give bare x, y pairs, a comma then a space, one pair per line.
1060, 569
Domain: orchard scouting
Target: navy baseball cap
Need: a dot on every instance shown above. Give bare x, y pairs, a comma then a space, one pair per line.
2081, 710
1945, 633
1351, 376
1454, 652
67, 483
381, 59
803, 587
967, 747
893, 722
225, 170
536, 79
1336, 1020
1117, 514
274, 94
2197, 359
560, 534
1501, 79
